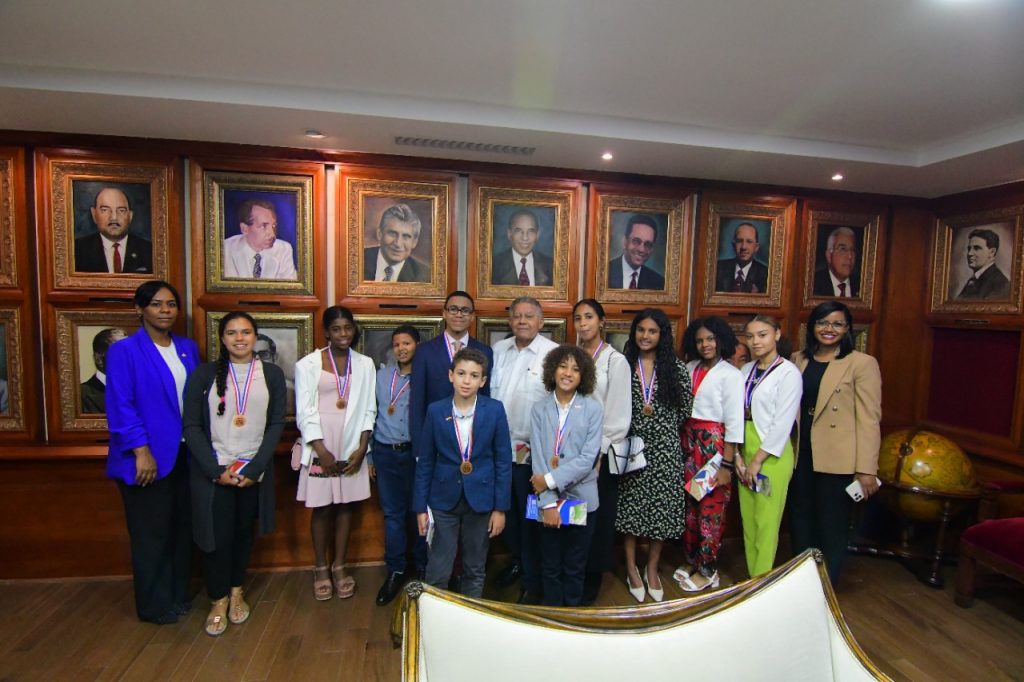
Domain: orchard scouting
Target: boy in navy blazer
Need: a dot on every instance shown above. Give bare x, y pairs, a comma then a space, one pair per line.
464, 474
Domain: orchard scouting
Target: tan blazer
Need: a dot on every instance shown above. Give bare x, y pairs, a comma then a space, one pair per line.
845, 433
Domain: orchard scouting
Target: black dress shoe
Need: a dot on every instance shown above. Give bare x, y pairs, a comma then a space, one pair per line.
591, 588
509, 576
455, 584
169, 618
390, 589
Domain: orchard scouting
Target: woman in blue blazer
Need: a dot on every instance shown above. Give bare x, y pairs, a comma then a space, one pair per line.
146, 375
565, 435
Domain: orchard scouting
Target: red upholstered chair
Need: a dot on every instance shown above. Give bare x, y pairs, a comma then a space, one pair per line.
995, 543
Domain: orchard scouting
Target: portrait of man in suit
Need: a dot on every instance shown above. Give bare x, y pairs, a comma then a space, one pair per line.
108, 244
392, 260
283, 352
742, 273
93, 391
837, 273
631, 269
522, 264
986, 280
257, 252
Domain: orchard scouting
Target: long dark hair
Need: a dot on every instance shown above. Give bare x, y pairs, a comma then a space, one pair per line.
224, 358
670, 388
725, 337
820, 312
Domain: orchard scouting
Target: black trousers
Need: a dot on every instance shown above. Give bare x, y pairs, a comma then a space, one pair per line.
564, 561
602, 545
160, 530
234, 520
522, 536
819, 514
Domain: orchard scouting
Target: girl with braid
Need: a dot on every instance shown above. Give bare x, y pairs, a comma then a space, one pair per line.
234, 415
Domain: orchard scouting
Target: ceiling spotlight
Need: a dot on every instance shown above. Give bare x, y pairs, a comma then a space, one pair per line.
315, 134
836, 177
607, 156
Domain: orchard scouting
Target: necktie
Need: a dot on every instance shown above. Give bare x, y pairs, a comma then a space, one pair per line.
632, 280
524, 279
117, 256
388, 273
738, 284
456, 346
842, 290
257, 267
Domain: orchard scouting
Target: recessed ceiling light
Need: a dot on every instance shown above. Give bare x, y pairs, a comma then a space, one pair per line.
837, 177
315, 134
607, 156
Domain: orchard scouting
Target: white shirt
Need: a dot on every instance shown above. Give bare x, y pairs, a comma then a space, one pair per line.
464, 340
613, 389
178, 371
837, 282
745, 269
979, 272
102, 377
627, 272
108, 251
518, 382
464, 426
275, 262
775, 404
382, 264
517, 258
720, 398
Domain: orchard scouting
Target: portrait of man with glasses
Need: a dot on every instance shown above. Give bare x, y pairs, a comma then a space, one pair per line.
837, 274
105, 240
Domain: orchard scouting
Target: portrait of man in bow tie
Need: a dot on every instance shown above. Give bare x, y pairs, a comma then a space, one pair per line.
112, 228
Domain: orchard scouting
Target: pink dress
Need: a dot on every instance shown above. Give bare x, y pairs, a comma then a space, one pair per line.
315, 489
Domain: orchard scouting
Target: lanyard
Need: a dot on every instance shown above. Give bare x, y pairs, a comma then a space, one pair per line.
752, 383
241, 395
393, 399
342, 385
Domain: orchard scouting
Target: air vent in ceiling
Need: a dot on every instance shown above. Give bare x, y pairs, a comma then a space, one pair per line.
461, 145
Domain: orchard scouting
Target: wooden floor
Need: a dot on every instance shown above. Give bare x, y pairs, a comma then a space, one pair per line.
86, 630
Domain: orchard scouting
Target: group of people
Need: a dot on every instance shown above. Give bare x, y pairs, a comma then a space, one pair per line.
467, 442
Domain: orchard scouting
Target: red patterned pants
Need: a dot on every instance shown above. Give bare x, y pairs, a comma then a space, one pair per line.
705, 520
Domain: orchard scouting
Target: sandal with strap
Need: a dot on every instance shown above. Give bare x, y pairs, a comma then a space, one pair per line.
216, 622
684, 571
238, 610
344, 585
323, 588
689, 584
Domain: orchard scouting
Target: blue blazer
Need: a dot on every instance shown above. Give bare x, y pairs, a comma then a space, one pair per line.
576, 475
439, 483
142, 403
430, 380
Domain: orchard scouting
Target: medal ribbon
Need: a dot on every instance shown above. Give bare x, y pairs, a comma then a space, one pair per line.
394, 398
598, 351
648, 391
748, 389
467, 450
561, 431
342, 386
241, 396
448, 341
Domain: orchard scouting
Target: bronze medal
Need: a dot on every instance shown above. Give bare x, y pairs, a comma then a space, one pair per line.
554, 462
342, 403
648, 409
391, 409
239, 420
466, 467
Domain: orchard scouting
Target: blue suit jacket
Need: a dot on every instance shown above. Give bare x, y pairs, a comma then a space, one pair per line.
142, 403
430, 380
575, 477
439, 483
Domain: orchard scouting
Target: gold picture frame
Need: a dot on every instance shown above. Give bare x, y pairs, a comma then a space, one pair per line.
998, 287
490, 330
616, 332
764, 283
375, 333
863, 230
13, 417
10, 160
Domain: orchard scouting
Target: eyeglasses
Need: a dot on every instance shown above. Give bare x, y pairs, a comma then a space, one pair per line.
844, 250
826, 324
456, 310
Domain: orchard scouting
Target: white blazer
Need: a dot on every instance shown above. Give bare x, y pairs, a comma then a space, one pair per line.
720, 398
360, 413
613, 390
775, 404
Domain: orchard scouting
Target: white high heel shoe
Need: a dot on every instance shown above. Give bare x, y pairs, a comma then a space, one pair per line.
657, 594
639, 593
689, 585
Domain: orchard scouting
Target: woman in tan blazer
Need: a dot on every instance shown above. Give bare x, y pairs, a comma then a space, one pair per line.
838, 435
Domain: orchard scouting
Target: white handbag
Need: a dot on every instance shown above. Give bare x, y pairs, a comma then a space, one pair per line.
627, 455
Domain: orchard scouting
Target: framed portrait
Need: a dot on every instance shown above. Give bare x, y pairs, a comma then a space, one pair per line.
841, 258
641, 244
526, 236
375, 334
490, 330
616, 332
399, 230
12, 213
109, 220
861, 334
259, 231
976, 265
744, 253
282, 339
12, 403
83, 339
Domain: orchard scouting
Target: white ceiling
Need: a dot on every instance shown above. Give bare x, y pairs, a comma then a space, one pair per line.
918, 97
